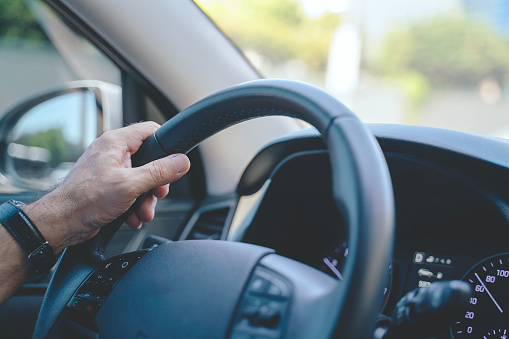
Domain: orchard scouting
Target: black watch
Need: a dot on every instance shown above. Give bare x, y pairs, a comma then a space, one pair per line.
39, 251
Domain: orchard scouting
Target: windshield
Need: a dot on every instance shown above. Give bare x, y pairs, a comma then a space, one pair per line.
441, 63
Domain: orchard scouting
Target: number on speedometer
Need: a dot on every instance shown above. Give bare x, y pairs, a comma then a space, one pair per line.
488, 312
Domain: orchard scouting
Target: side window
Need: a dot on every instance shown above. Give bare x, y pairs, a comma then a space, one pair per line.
39, 54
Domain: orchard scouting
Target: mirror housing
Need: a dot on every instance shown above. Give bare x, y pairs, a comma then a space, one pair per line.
41, 139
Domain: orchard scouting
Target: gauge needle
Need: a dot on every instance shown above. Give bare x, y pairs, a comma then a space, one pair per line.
499, 308
333, 268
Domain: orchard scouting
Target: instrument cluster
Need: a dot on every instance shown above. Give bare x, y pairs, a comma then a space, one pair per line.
447, 227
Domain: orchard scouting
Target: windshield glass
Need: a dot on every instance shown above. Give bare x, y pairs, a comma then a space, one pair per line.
441, 63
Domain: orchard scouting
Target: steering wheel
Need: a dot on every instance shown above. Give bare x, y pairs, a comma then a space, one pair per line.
219, 289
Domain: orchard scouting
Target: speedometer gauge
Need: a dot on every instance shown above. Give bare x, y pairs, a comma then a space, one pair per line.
488, 312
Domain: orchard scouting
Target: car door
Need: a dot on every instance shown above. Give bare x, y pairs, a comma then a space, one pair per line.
32, 65
42, 63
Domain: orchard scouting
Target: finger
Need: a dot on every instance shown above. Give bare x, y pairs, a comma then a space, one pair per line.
161, 192
133, 221
146, 210
158, 172
135, 134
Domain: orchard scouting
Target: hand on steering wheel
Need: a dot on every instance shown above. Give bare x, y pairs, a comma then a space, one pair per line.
102, 185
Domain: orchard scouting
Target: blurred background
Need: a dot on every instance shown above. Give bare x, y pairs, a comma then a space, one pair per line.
31, 64
50, 138
442, 63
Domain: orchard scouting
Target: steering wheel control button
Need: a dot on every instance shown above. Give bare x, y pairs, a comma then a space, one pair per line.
250, 311
263, 307
265, 316
258, 284
100, 283
277, 288
91, 296
266, 284
122, 263
97, 277
107, 266
274, 291
84, 307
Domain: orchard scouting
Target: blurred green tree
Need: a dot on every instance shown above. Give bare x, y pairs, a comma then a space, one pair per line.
53, 140
447, 51
16, 22
278, 30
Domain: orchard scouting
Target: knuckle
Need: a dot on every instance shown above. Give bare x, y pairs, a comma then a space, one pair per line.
158, 172
149, 126
153, 124
107, 137
145, 125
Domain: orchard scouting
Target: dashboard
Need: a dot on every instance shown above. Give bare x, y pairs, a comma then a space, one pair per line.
452, 210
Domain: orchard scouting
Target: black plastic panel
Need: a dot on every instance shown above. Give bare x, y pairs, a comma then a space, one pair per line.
94, 291
264, 307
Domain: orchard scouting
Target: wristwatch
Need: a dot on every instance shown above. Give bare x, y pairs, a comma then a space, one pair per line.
39, 251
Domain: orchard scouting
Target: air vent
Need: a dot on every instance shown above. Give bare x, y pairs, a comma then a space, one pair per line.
209, 225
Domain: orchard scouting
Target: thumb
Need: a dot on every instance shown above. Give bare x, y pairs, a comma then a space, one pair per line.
160, 172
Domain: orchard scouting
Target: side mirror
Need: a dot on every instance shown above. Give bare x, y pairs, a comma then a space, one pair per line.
42, 138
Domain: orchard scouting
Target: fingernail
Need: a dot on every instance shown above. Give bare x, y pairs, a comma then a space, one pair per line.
181, 162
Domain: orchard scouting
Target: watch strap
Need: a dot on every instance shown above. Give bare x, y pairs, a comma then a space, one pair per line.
39, 251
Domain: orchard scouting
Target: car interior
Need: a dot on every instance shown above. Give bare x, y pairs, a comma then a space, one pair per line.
296, 220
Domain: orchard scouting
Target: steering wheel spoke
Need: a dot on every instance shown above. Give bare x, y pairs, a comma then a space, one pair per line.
182, 289
286, 298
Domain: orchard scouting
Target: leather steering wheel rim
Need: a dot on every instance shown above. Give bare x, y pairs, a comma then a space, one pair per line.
361, 185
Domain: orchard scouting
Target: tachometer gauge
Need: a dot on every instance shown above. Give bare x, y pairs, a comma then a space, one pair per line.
488, 313
333, 262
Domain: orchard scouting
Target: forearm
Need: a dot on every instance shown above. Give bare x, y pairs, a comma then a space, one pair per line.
14, 265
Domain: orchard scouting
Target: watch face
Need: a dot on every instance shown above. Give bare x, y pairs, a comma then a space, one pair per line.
42, 259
